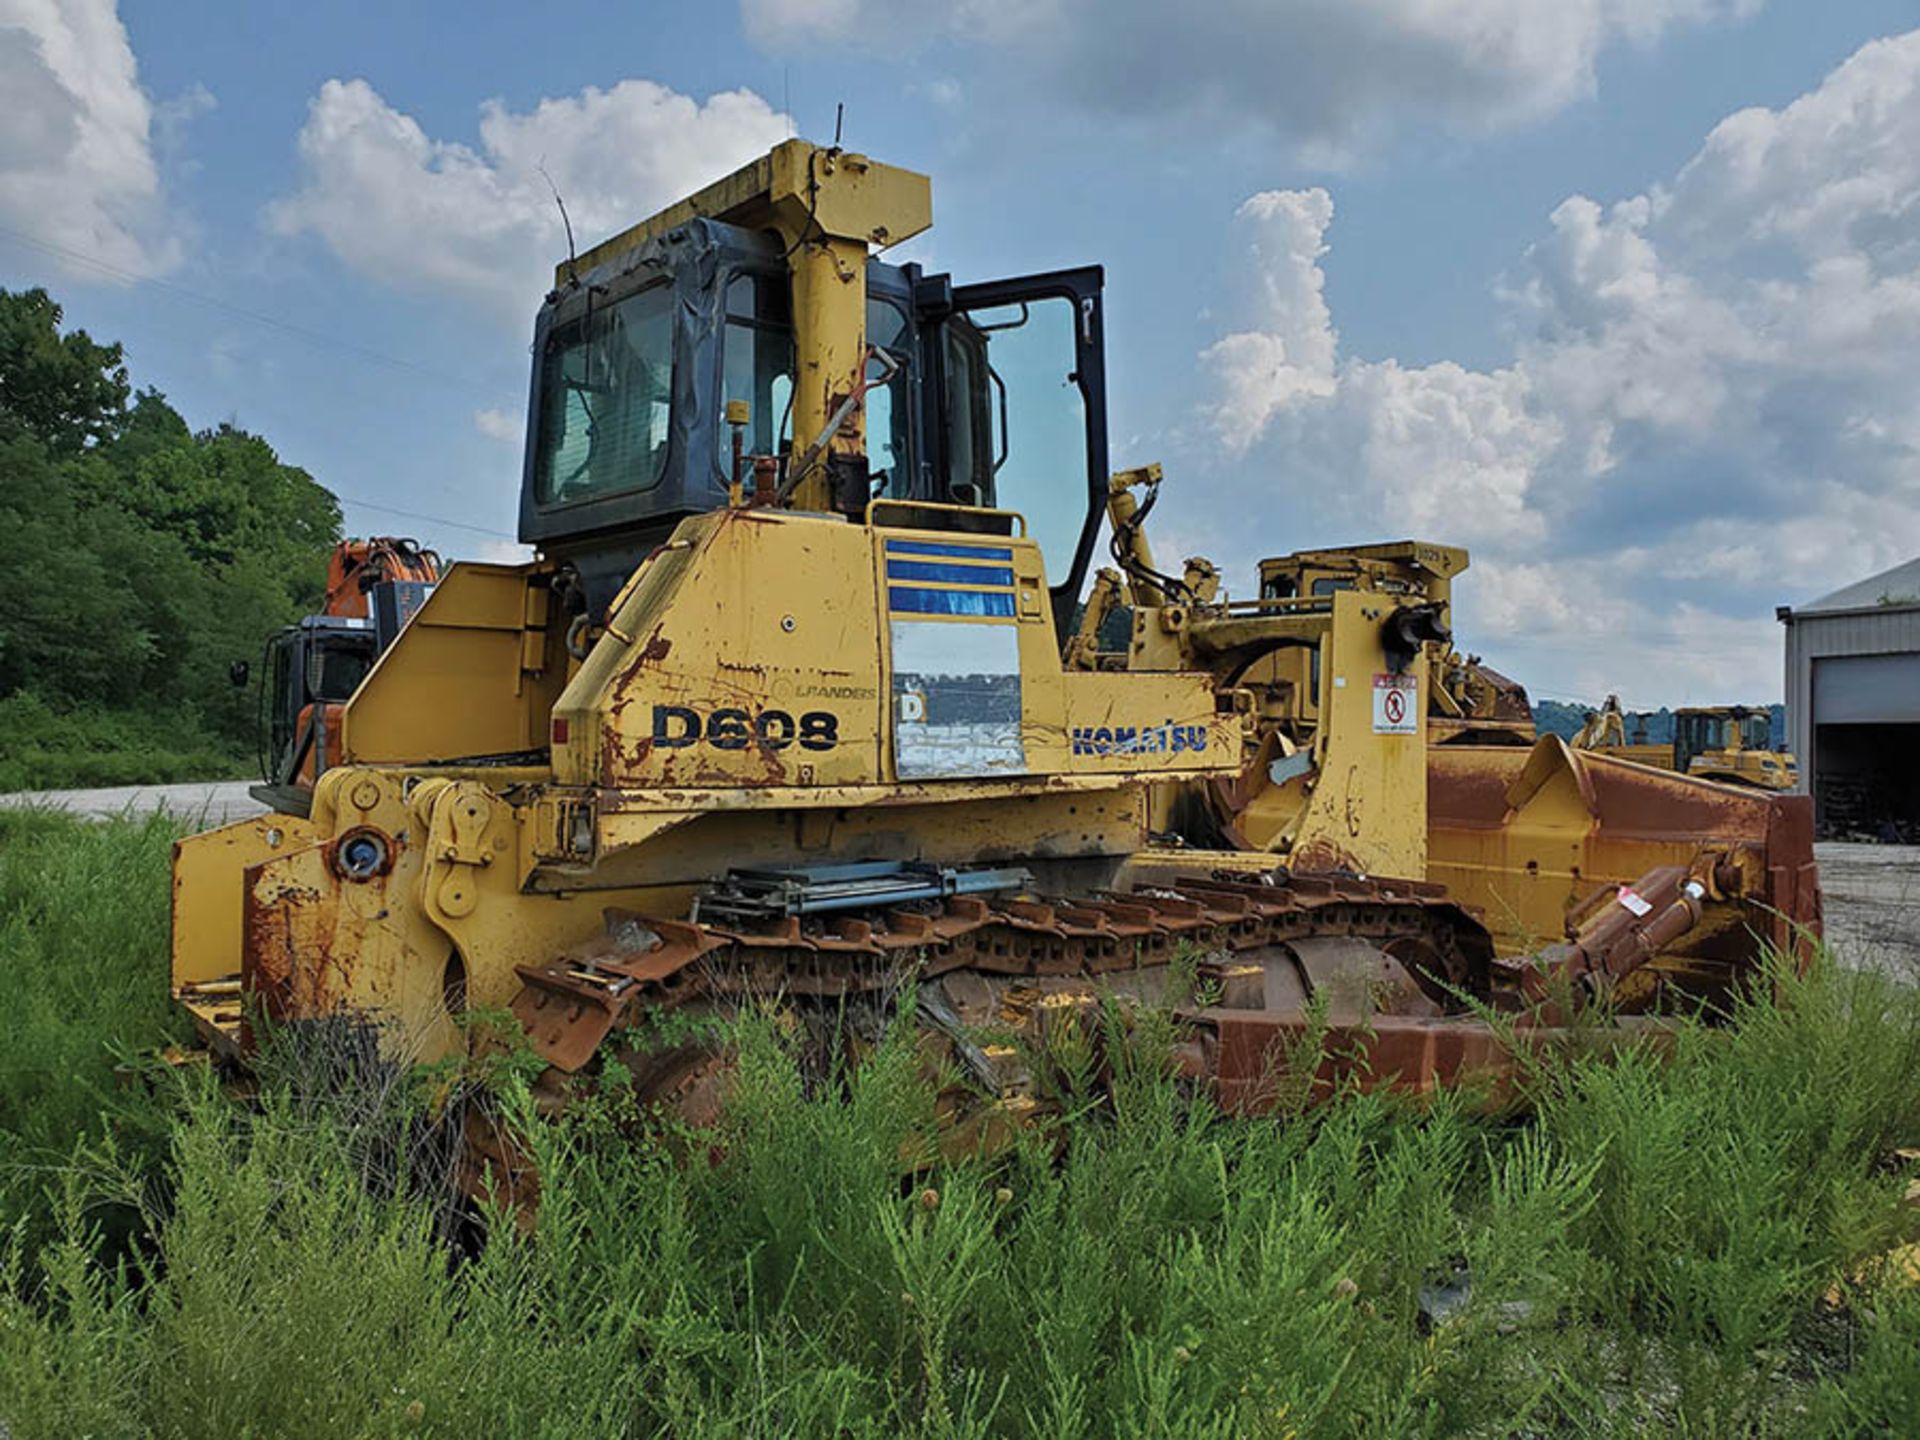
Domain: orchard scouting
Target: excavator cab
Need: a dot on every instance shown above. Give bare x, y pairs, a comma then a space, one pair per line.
311, 668
985, 397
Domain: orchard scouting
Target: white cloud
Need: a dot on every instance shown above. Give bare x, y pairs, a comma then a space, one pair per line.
1571, 629
1713, 406
426, 213
1436, 447
77, 167
1332, 76
498, 425
1290, 353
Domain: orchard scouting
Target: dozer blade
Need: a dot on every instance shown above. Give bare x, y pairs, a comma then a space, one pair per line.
1526, 839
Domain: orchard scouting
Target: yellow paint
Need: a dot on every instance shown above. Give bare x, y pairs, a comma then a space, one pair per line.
1361, 803
485, 630
497, 868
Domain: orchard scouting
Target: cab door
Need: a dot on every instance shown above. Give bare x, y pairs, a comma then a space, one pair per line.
1018, 409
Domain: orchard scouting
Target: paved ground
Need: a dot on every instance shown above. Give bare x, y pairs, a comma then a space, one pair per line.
1872, 895
217, 801
1872, 891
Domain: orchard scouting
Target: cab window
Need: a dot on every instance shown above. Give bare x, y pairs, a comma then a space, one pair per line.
337, 666
605, 403
1036, 452
758, 364
889, 437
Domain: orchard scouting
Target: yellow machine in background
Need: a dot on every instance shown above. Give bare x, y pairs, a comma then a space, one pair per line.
792, 706
1728, 743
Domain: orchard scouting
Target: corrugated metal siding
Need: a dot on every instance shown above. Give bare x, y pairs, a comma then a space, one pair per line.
1866, 632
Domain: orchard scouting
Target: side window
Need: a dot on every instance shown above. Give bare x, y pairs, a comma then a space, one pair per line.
889, 439
606, 399
969, 482
1037, 420
757, 363
286, 703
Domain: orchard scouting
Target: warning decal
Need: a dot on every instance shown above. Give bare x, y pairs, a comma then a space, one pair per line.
1396, 705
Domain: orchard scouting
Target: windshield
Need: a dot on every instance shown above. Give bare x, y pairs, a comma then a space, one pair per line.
336, 667
605, 400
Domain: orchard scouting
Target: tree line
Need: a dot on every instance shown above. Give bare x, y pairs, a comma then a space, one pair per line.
145, 557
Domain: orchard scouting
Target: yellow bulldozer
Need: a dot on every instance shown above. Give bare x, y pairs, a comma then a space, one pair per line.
1728, 743
792, 709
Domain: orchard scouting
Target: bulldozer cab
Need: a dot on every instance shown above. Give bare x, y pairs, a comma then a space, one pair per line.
1704, 731
984, 396
1401, 568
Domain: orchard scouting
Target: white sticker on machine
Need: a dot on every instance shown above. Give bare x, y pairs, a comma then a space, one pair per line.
1635, 902
956, 700
1396, 705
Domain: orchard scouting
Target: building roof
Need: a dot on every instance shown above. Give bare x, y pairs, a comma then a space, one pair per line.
1898, 588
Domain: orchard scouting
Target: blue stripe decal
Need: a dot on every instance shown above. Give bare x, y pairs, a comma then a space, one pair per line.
950, 602
950, 574
954, 552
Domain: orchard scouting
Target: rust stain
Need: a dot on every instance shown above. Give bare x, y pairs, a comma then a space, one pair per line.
656, 648
1323, 857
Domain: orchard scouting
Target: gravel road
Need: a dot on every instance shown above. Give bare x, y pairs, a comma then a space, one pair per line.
218, 801
1872, 895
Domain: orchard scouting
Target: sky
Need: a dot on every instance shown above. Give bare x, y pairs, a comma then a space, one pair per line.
1622, 295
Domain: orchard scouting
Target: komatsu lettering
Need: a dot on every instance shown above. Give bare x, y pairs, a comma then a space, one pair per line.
1163, 739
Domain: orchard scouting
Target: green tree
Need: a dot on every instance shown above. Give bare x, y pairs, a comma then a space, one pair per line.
64, 389
145, 557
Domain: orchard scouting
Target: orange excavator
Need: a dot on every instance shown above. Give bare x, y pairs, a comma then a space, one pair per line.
312, 667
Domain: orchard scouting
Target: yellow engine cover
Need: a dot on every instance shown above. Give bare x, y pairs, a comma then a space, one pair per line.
764, 648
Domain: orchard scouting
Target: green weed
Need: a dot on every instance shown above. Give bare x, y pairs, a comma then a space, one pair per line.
1683, 1241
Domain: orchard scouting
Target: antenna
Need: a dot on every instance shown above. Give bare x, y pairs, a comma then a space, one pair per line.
573, 264
839, 115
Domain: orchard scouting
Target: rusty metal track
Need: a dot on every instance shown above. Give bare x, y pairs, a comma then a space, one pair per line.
570, 1005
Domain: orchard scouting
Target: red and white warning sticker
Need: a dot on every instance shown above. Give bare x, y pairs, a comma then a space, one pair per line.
1396, 705
1633, 900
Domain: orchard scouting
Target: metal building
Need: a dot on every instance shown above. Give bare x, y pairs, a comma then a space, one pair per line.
1853, 704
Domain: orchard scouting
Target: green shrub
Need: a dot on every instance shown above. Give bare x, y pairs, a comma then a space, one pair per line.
42, 748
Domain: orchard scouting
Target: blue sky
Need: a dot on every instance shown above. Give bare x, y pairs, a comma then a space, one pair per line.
1507, 276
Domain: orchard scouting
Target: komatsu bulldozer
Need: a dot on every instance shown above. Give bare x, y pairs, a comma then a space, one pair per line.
792, 709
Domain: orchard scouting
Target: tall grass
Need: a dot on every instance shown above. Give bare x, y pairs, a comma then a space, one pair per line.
1684, 1244
83, 991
